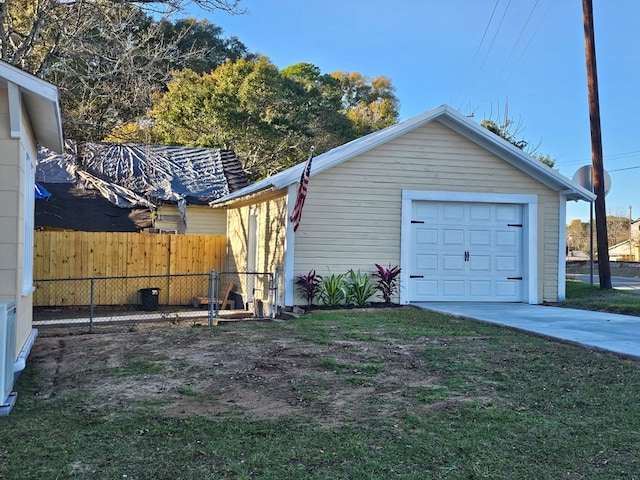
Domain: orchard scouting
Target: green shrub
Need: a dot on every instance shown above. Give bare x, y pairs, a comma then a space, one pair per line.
331, 290
358, 288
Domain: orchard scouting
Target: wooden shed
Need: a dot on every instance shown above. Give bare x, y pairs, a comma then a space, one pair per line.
29, 114
467, 216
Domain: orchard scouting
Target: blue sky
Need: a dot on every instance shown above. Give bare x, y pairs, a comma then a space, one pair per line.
478, 56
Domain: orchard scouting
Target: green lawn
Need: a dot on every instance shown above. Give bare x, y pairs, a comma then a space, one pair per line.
379, 394
589, 297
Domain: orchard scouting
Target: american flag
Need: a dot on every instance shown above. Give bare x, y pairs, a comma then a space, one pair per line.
296, 214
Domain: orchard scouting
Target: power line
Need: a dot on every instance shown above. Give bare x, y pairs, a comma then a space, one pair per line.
526, 47
524, 27
491, 45
475, 56
615, 156
621, 169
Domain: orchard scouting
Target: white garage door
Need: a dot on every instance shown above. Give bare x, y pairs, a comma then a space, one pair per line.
466, 252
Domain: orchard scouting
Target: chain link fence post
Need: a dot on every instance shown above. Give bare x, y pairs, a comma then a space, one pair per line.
212, 286
91, 305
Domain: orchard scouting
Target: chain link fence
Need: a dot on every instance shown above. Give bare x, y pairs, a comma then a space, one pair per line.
85, 301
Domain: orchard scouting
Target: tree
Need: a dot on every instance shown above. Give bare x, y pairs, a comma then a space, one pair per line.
370, 103
510, 131
269, 117
107, 56
577, 232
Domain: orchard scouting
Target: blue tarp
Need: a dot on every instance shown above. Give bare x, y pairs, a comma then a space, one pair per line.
41, 192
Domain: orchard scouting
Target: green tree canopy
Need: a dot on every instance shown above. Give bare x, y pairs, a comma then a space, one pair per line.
370, 103
269, 117
509, 131
108, 56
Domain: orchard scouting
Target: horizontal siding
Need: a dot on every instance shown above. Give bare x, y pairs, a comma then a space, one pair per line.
352, 214
272, 223
201, 220
551, 218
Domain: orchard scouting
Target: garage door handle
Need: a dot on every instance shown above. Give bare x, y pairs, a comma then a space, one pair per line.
466, 256
514, 278
416, 276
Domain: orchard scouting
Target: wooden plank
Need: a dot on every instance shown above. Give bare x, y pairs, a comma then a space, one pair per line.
104, 254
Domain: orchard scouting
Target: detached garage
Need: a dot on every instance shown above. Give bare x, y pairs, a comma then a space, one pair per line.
467, 216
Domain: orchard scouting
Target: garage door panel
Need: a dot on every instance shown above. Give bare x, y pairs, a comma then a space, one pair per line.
426, 288
453, 212
480, 263
425, 211
509, 213
453, 263
466, 252
427, 263
426, 236
480, 212
508, 263
452, 288
453, 237
506, 290
480, 238
480, 288
509, 238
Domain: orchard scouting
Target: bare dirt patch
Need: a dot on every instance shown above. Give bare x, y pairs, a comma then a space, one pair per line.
256, 370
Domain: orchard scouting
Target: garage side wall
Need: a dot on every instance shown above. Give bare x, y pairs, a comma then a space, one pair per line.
352, 215
269, 221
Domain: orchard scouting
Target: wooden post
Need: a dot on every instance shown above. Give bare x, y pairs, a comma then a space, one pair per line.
604, 269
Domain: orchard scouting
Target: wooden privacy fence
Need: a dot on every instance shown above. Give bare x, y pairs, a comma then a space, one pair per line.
104, 255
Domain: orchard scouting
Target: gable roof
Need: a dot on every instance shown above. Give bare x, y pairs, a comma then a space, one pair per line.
42, 102
136, 174
443, 114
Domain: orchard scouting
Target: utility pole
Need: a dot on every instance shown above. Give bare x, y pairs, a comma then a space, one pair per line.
604, 269
630, 234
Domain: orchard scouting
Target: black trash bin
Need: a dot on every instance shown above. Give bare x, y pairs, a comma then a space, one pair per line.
149, 299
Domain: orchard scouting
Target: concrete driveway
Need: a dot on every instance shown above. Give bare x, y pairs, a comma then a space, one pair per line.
602, 331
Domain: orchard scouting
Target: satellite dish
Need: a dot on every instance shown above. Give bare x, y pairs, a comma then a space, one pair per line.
583, 178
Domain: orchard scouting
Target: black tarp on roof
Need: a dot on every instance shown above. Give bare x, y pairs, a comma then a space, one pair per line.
133, 176
72, 207
154, 172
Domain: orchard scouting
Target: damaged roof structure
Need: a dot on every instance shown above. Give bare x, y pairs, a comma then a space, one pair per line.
116, 187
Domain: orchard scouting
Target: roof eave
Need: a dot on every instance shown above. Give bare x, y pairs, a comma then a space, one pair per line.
516, 157
42, 102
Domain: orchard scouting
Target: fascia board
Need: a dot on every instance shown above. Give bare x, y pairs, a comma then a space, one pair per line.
516, 157
42, 101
